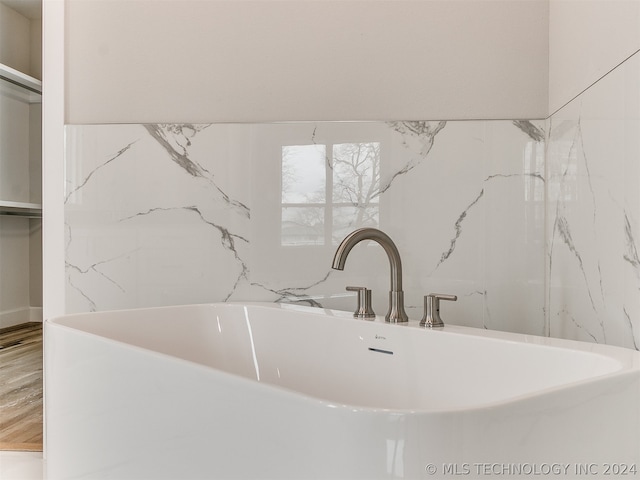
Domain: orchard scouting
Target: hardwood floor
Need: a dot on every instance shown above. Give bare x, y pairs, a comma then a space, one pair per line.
21, 387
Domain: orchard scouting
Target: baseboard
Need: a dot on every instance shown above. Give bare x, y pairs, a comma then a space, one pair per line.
21, 447
35, 314
18, 316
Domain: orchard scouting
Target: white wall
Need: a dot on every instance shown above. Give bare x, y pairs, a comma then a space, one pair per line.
587, 39
259, 60
15, 39
53, 58
35, 196
35, 32
14, 271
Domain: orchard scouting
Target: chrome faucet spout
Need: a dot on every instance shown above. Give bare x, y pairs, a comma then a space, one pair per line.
396, 311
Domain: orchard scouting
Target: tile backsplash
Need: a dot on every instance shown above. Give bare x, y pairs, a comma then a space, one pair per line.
175, 214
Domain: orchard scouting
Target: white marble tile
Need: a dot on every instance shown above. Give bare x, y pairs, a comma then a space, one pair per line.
594, 213
175, 214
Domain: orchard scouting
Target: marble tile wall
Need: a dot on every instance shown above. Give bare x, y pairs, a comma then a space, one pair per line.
593, 177
176, 214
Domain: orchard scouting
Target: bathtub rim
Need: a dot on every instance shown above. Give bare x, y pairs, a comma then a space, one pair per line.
628, 360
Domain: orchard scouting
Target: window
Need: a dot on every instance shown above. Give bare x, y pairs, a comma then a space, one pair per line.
324, 196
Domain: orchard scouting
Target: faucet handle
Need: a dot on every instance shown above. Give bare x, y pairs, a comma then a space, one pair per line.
431, 318
364, 309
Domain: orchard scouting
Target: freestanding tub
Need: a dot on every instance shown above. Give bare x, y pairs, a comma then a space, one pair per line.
276, 391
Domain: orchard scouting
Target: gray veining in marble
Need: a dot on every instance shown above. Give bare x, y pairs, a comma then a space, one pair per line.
163, 134
92, 172
426, 133
533, 131
458, 230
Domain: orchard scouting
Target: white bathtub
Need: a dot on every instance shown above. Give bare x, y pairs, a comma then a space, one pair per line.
275, 391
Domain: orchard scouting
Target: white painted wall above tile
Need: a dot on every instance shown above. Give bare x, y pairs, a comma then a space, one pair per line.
588, 38
255, 60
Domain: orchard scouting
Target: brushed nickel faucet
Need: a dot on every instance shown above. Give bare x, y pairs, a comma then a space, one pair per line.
431, 318
364, 309
396, 311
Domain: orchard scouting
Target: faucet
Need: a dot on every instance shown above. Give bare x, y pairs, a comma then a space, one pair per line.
396, 311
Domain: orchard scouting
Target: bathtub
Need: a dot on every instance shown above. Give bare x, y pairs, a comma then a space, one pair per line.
260, 390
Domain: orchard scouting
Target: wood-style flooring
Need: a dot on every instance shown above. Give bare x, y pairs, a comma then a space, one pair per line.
21, 387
